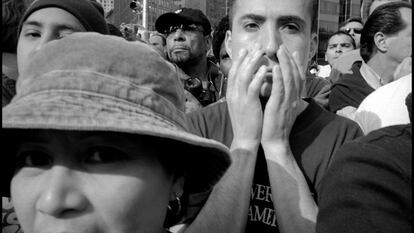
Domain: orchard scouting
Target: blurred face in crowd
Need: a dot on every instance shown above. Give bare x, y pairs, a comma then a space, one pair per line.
159, 43
354, 29
272, 23
225, 61
90, 182
338, 45
399, 45
42, 26
186, 44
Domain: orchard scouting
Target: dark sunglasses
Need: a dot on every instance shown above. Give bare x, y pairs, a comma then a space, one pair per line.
356, 30
184, 28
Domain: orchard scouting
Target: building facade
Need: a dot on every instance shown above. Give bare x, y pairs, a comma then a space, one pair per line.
107, 5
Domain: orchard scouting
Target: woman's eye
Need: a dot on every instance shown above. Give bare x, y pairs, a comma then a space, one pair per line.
103, 154
32, 34
33, 158
64, 33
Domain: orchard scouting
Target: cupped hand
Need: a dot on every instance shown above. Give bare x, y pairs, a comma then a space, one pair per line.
285, 102
243, 89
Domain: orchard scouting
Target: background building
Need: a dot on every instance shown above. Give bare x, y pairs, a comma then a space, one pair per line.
107, 5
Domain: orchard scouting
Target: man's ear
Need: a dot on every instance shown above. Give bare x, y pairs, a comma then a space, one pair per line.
380, 41
313, 48
227, 43
208, 42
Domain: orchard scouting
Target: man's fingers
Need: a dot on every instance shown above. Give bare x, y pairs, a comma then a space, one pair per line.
256, 83
278, 86
251, 65
231, 81
286, 70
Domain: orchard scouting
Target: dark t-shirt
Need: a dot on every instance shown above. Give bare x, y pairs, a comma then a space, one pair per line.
315, 136
368, 187
349, 90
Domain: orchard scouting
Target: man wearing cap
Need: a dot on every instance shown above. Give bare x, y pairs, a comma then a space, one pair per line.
188, 39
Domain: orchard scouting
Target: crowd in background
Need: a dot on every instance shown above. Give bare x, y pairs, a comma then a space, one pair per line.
206, 128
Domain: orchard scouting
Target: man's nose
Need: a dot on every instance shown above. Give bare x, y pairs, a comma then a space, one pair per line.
61, 194
178, 35
271, 43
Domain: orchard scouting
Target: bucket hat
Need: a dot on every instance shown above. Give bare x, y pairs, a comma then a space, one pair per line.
93, 82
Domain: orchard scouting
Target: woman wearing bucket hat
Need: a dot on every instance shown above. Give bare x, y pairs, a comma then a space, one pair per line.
98, 140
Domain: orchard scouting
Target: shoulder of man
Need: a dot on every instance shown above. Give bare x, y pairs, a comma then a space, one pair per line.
349, 90
360, 173
213, 122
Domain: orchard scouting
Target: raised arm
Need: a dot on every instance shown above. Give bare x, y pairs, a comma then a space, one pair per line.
295, 208
227, 207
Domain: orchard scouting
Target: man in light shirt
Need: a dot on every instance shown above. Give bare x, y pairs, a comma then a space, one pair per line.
385, 42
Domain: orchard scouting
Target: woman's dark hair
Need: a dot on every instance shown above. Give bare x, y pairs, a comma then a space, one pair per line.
219, 35
386, 19
12, 11
343, 33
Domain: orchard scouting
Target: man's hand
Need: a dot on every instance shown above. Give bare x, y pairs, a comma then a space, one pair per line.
285, 102
243, 90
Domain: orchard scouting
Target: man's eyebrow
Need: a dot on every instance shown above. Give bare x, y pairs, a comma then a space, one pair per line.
257, 18
290, 19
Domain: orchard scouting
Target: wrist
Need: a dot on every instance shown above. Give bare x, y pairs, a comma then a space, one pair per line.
279, 152
246, 145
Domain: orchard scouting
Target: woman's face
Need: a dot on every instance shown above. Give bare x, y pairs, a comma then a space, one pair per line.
90, 182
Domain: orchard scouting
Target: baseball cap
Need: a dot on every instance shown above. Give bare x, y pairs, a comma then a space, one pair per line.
183, 15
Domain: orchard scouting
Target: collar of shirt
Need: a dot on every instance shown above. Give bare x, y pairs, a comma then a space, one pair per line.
370, 76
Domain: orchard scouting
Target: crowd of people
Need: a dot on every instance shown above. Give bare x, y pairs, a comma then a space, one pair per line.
206, 128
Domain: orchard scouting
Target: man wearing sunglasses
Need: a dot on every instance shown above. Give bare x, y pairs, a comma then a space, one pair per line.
353, 26
188, 40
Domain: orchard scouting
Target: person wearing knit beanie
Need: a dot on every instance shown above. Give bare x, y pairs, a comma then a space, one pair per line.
47, 20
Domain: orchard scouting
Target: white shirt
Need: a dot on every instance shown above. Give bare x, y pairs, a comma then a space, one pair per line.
323, 71
385, 106
370, 76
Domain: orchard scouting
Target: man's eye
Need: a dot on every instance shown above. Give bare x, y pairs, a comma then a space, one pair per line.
103, 154
346, 45
33, 158
251, 26
291, 27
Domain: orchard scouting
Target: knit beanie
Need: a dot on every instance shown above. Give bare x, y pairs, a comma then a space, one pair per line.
87, 14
